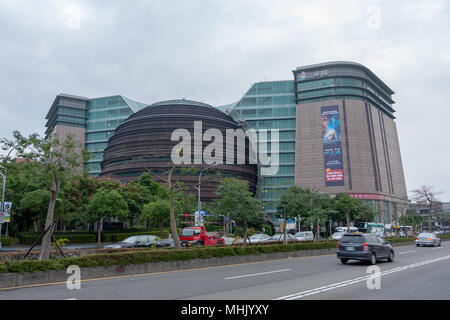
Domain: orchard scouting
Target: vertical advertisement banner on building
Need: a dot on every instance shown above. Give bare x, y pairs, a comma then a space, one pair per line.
332, 146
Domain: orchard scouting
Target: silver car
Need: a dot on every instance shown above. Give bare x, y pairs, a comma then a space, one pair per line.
259, 237
304, 236
427, 239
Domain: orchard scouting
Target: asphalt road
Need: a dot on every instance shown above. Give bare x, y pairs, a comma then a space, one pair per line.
416, 273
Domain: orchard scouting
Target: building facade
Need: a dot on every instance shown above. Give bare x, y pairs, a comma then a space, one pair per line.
271, 105
146, 142
90, 121
338, 132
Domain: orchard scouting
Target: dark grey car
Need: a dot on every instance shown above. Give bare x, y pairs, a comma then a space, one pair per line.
364, 247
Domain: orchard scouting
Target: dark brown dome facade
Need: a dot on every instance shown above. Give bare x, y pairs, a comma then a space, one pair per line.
143, 142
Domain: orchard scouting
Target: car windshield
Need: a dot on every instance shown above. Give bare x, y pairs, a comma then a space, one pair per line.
352, 239
338, 233
187, 232
130, 239
300, 234
256, 236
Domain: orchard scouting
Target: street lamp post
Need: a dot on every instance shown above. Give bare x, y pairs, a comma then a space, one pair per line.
199, 204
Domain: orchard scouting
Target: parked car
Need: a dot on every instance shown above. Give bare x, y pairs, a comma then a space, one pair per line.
136, 242
364, 247
304, 236
165, 243
344, 229
427, 239
337, 235
280, 237
259, 237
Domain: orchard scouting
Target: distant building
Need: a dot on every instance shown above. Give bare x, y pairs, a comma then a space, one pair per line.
90, 121
337, 135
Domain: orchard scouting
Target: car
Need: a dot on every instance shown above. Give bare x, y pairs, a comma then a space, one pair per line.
337, 235
363, 247
140, 241
259, 237
344, 229
304, 236
165, 243
280, 237
427, 239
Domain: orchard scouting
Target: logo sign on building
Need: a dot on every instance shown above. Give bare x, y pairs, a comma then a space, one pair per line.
312, 74
332, 146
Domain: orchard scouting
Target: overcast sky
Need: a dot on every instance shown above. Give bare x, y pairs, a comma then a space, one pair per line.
212, 51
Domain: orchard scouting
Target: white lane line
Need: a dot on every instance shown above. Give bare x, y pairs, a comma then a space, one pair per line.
356, 280
258, 274
71, 299
436, 248
406, 252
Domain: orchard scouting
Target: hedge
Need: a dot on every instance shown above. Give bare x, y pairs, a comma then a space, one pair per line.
6, 241
152, 255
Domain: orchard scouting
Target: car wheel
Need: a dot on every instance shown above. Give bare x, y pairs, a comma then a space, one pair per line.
220, 242
391, 256
344, 261
417, 245
439, 243
373, 259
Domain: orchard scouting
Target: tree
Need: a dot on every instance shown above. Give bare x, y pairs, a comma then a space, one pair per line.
313, 206
106, 204
426, 194
157, 213
238, 202
59, 159
348, 206
32, 205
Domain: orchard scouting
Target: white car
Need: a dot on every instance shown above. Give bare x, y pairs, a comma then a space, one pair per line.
338, 235
304, 236
344, 229
259, 237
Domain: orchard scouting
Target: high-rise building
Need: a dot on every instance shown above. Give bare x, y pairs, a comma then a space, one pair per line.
271, 105
337, 134
90, 121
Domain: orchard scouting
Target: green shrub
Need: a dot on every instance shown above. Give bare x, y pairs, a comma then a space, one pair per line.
7, 241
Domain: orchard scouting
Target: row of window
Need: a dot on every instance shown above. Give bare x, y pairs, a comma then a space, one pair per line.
110, 124
282, 135
269, 100
105, 102
69, 119
99, 146
276, 181
109, 113
272, 87
99, 136
268, 112
66, 111
272, 124
338, 82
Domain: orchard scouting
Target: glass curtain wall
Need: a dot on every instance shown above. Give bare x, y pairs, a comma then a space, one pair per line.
271, 105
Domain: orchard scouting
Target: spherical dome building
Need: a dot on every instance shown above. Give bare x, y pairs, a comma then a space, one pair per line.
144, 143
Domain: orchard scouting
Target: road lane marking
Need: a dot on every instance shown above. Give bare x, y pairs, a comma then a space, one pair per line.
166, 272
257, 274
333, 286
406, 252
